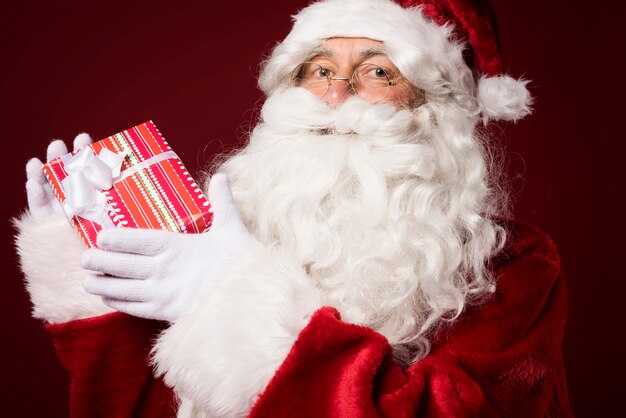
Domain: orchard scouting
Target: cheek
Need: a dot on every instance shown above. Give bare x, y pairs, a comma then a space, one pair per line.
319, 90
404, 95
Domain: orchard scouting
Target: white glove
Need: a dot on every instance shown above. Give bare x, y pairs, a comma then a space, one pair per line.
155, 274
41, 200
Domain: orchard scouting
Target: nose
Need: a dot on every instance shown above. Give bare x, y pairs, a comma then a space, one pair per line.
337, 91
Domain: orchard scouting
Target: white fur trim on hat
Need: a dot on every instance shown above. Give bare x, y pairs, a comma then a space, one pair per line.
418, 47
426, 53
49, 251
223, 351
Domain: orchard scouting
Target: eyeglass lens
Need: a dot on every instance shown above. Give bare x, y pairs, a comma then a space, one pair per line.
370, 82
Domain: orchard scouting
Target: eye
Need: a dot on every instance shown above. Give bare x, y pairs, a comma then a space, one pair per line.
379, 72
321, 72
373, 72
312, 72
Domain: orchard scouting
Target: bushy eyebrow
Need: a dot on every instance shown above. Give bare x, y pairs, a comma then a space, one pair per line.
319, 51
363, 54
371, 52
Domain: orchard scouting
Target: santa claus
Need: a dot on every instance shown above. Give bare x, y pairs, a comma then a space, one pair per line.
359, 263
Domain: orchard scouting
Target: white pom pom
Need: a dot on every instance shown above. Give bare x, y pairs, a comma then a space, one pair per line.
503, 97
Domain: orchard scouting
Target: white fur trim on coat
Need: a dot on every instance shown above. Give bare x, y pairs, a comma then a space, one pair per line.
49, 251
223, 351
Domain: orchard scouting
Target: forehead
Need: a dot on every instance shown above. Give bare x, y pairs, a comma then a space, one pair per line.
351, 43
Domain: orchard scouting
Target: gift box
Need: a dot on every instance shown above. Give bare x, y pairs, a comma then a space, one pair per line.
132, 179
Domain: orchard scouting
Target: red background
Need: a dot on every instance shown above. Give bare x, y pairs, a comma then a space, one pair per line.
72, 66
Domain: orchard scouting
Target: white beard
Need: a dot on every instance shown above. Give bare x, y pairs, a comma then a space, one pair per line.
373, 204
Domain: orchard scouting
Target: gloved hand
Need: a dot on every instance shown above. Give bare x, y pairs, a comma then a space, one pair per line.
155, 274
41, 199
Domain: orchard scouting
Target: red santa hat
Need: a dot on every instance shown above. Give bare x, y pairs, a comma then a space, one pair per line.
448, 48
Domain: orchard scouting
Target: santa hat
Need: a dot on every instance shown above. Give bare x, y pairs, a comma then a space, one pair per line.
448, 48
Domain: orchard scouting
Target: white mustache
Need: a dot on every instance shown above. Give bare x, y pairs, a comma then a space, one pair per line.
297, 109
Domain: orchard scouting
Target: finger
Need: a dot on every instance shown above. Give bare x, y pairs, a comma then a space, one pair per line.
124, 265
52, 201
36, 196
34, 170
115, 287
147, 242
56, 149
82, 140
222, 200
139, 309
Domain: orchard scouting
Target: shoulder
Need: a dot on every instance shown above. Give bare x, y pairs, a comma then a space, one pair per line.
528, 270
510, 344
529, 293
525, 240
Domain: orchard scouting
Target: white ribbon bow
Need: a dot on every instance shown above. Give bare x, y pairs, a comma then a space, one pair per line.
88, 174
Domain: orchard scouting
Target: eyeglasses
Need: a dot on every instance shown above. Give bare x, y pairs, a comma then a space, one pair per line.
371, 82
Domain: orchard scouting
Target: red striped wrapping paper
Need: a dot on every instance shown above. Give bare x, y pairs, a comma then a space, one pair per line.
161, 196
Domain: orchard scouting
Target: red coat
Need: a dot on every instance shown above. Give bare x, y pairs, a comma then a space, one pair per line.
500, 359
